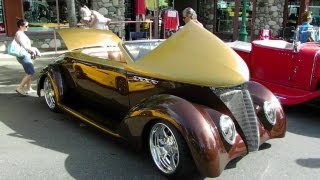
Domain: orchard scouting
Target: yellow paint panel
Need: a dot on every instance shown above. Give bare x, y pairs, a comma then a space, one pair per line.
76, 38
196, 56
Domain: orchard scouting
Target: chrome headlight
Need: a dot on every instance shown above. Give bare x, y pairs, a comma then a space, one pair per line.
270, 112
228, 129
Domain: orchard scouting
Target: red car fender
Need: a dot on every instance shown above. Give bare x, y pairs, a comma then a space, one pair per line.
259, 94
196, 123
315, 72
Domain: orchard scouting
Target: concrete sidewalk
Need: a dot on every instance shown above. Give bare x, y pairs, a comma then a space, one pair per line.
11, 71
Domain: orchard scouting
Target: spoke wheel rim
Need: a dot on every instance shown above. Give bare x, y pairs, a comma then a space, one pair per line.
164, 148
49, 94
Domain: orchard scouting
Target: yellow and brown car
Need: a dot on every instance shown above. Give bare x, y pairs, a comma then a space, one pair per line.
187, 99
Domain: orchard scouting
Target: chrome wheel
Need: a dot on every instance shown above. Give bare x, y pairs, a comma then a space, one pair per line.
49, 94
164, 148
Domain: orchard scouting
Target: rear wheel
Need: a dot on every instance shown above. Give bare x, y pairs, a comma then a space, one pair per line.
49, 94
170, 152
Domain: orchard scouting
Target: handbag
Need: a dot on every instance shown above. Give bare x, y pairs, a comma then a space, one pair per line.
15, 49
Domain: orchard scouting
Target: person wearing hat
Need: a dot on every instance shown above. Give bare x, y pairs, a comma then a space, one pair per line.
93, 19
84, 11
305, 30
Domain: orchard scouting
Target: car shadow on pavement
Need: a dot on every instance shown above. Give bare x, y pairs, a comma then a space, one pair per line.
309, 163
233, 163
90, 153
303, 120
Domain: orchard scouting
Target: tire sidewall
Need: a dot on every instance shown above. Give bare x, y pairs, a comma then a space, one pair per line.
186, 166
55, 108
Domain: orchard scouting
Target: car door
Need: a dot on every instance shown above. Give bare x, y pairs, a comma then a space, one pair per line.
273, 65
304, 67
104, 85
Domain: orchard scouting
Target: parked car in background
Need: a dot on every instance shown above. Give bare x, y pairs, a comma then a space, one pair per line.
187, 100
291, 71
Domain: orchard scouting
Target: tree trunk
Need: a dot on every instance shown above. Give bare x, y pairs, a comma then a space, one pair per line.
72, 18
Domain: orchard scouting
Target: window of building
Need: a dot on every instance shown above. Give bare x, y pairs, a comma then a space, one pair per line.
293, 12
44, 15
315, 9
2, 25
226, 14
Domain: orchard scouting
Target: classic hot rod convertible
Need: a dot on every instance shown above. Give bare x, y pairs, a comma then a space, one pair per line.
187, 100
291, 71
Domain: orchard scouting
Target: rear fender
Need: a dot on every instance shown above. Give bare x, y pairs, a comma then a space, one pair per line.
196, 123
315, 74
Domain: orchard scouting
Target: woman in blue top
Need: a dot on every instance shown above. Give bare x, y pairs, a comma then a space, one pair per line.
305, 30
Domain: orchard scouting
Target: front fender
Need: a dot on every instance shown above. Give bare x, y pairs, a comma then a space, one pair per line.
259, 95
196, 123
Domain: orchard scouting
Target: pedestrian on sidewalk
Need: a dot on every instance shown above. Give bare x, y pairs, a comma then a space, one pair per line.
26, 60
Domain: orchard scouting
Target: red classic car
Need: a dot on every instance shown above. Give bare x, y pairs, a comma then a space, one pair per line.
290, 71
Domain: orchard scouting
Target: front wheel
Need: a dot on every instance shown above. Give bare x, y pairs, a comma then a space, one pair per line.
170, 152
49, 94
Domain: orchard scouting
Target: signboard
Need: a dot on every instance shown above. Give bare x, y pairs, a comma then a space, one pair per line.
2, 25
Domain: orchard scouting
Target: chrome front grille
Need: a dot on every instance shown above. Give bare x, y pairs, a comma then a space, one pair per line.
239, 102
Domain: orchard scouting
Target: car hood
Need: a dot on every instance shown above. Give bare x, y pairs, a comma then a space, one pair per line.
193, 55
76, 38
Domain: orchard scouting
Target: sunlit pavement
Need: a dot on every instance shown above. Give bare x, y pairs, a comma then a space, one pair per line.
11, 71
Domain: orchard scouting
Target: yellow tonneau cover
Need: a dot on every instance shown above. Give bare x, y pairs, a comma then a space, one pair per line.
196, 56
76, 38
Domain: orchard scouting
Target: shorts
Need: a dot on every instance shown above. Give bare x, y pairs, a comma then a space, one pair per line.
27, 64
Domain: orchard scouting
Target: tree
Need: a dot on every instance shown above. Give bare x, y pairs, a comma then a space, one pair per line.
72, 18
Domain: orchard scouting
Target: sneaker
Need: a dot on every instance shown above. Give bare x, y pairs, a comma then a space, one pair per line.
21, 92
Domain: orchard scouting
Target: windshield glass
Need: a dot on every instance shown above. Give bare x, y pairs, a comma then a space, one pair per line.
137, 49
310, 33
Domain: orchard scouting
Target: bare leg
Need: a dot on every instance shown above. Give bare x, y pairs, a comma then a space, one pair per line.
29, 83
26, 80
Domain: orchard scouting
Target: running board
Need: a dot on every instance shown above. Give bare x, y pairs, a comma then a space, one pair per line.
87, 120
